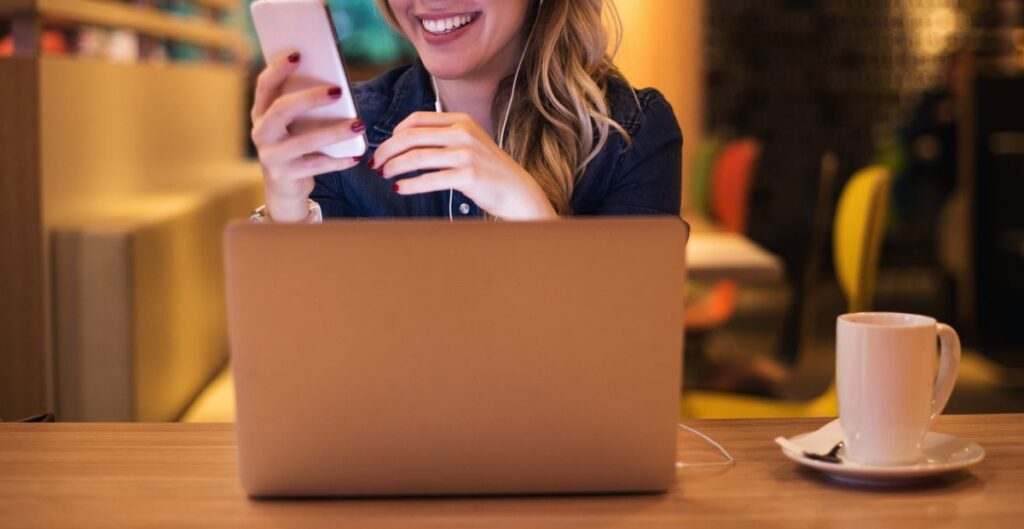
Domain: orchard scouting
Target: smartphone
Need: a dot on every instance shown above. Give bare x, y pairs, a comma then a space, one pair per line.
305, 26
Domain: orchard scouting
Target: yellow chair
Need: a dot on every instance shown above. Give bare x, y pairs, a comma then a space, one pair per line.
216, 403
857, 240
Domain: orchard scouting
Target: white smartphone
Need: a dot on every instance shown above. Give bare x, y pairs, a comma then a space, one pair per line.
305, 26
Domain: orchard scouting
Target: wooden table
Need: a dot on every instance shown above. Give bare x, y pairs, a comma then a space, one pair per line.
184, 475
715, 255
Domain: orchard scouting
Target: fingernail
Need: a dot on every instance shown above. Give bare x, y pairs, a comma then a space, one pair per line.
372, 164
357, 159
358, 125
334, 92
394, 187
294, 58
380, 171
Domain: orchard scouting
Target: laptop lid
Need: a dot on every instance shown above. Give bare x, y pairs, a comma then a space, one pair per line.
428, 357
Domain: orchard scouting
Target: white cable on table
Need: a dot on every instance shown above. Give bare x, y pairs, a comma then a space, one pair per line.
729, 461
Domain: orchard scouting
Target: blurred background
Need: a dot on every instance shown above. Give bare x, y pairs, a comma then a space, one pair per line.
874, 149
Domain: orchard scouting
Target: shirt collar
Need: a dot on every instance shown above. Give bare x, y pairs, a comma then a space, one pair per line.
413, 92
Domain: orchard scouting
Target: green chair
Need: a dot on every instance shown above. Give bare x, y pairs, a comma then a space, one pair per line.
701, 175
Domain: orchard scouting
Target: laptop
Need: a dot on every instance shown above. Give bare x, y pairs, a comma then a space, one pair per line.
412, 357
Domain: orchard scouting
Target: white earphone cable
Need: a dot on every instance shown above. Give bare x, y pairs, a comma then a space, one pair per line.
508, 109
729, 461
438, 108
512, 94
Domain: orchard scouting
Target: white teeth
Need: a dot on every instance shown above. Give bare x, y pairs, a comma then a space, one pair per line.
440, 27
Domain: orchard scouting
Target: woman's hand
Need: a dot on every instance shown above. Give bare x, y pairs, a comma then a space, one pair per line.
462, 156
291, 161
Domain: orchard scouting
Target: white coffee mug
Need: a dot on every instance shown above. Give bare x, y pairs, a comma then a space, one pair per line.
889, 394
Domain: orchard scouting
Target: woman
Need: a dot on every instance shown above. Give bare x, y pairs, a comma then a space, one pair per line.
538, 123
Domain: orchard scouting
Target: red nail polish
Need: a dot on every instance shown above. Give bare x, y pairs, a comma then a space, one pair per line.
334, 92
380, 171
394, 187
294, 58
372, 164
357, 159
358, 126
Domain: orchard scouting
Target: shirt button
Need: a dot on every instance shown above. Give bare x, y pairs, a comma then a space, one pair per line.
464, 208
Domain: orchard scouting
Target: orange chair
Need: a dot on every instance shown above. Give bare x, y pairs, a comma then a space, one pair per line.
730, 190
730, 185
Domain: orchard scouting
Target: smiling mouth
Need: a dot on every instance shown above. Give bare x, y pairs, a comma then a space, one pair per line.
443, 26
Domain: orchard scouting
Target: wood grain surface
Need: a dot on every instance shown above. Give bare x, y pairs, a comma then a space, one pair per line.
184, 475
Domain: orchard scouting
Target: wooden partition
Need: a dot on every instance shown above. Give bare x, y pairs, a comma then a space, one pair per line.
24, 374
115, 180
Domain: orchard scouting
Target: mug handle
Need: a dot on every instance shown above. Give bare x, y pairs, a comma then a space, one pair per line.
949, 364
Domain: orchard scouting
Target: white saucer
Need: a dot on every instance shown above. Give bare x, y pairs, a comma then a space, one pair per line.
940, 454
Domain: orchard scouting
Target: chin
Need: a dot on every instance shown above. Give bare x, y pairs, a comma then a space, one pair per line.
447, 68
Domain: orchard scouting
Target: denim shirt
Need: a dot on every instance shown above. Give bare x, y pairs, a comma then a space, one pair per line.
641, 177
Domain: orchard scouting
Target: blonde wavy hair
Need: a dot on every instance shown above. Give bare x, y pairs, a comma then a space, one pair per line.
565, 119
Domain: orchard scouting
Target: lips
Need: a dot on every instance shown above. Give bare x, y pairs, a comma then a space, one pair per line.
446, 27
